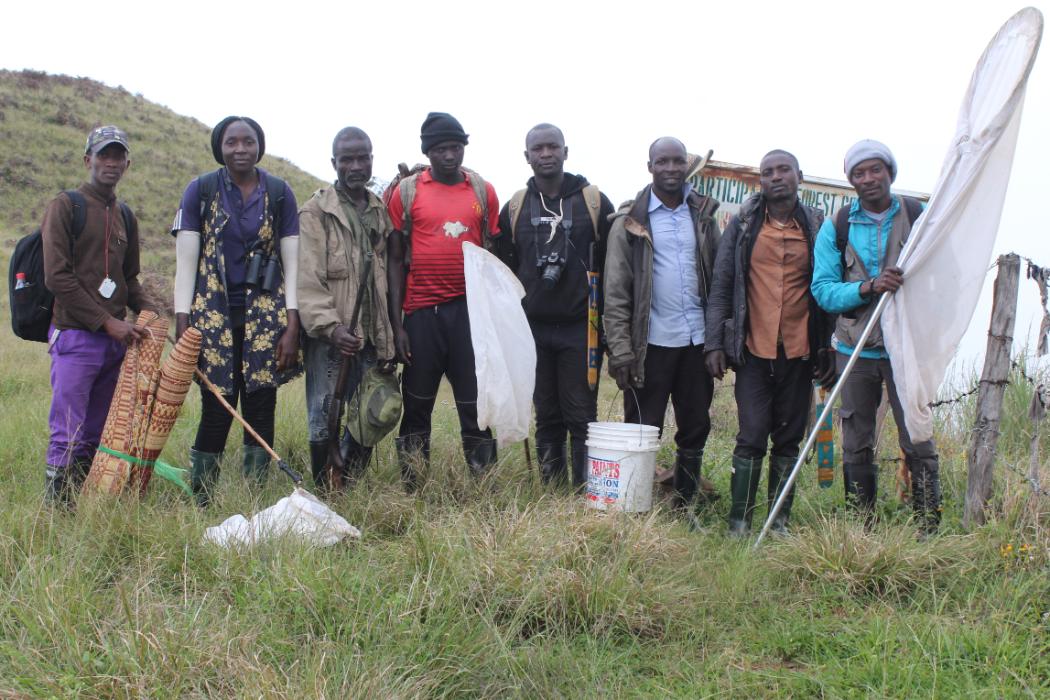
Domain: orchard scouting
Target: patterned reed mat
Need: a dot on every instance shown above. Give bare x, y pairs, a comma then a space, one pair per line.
146, 402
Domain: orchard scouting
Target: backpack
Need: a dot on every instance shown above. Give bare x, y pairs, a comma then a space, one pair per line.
912, 209
405, 183
591, 197
32, 303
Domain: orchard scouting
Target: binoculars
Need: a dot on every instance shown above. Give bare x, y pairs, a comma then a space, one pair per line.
264, 271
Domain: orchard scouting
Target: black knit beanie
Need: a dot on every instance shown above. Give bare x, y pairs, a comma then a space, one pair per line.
219, 132
439, 127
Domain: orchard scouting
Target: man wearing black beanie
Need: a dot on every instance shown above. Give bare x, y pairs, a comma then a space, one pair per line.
433, 212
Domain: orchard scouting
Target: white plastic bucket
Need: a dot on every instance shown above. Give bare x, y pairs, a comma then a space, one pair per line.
621, 464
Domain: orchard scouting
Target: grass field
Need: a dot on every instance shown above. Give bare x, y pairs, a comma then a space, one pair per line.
502, 589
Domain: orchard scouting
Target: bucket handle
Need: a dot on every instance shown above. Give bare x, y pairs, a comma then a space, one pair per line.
638, 406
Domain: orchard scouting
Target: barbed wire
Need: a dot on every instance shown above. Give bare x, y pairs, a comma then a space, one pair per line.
1037, 272
1037, 488
956, 399
1021, 368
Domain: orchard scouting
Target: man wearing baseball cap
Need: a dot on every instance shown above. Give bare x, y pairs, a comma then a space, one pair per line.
93, 273
853, 265
433, 212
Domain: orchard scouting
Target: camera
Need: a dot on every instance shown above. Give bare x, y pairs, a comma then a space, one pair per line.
551, 267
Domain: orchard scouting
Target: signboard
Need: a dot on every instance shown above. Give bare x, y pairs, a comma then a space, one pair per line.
732, 184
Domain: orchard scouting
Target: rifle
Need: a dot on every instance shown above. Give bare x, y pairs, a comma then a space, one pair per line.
336, 464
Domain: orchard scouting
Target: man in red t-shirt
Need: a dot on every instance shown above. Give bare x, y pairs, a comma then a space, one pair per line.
434, 338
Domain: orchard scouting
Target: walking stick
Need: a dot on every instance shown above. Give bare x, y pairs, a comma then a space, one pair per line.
884, 299
295, 476
593, 351
828, 405
336, 465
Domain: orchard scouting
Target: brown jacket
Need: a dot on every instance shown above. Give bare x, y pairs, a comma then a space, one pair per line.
629, 275
75, 273
330, 261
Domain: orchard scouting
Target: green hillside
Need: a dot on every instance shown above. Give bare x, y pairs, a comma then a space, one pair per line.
44, 120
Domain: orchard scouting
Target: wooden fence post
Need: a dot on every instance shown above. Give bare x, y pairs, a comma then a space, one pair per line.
992, 387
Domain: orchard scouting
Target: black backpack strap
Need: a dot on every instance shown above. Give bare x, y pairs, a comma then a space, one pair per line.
275, 198
275, 202
842, 234
207, 186
79, 214
125, 213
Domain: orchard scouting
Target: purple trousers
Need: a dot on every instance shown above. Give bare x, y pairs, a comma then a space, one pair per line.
84, 369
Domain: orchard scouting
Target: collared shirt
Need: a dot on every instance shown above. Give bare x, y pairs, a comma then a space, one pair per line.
676, 316
778, 292
241, 231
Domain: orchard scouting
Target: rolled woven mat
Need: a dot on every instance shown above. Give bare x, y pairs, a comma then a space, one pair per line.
125, 427
175, 378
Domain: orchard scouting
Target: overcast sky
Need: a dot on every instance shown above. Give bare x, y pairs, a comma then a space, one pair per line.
737, 77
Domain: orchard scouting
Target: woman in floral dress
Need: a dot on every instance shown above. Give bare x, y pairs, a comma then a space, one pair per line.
237, 240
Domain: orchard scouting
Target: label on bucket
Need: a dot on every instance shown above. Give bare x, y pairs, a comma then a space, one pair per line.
603, 481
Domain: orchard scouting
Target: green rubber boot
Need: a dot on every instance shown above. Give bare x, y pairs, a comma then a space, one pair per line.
204, 474
256, 465
779, 469
743, 486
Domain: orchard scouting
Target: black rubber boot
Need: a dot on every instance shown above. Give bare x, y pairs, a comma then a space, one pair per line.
413, 452
256, 465
580, 464
204, 473
686, 476
779, 469
355, 456
319, 464
56, 487
926, 494
743, 487
551, 460
481, 455
861, 483
78, 472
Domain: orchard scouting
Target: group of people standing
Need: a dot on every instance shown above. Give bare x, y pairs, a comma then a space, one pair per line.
780, 299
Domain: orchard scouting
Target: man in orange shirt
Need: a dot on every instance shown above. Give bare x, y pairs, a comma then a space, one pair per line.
433, 213
763, 322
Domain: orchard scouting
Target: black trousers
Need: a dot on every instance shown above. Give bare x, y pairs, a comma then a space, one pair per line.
563, 399
861, 396
439, 337
257, 408
772, 402
678, 374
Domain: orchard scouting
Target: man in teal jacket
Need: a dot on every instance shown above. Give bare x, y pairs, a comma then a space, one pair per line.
848, 283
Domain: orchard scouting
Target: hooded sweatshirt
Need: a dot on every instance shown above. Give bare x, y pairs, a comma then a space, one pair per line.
527, 254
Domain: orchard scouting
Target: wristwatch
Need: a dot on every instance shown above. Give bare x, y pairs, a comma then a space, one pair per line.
871, 289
